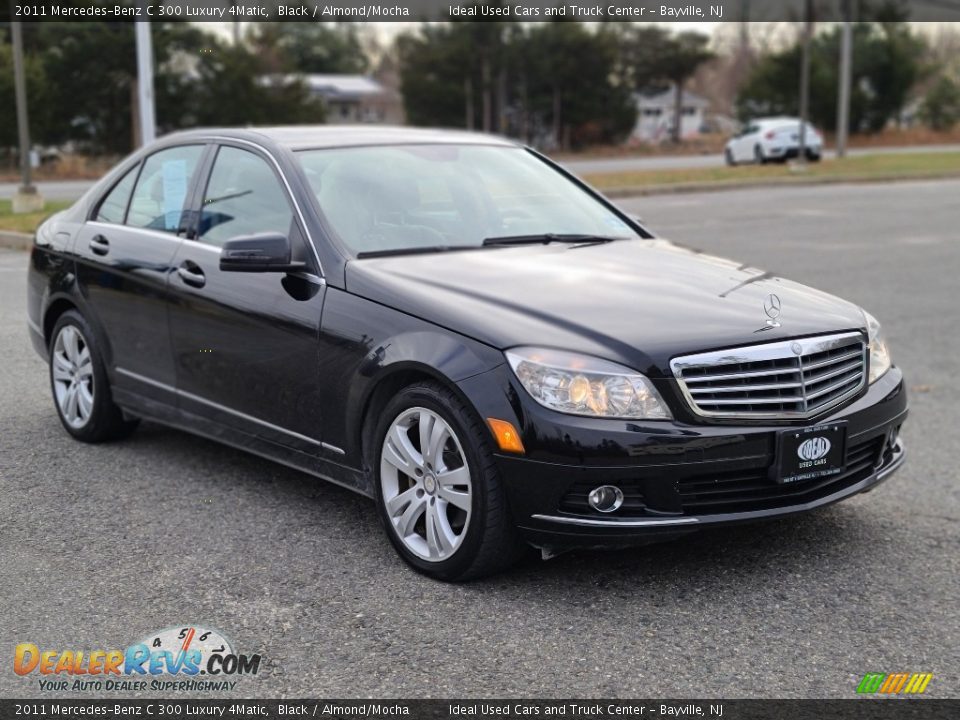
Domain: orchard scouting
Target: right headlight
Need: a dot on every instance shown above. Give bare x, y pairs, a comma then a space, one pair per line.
879, 352
584, 385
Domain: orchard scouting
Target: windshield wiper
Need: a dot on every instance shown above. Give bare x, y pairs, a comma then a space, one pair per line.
412, 250
545, 238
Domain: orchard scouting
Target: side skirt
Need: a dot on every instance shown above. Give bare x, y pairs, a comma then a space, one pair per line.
178, 419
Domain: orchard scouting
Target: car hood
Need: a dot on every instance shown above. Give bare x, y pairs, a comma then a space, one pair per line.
638, 302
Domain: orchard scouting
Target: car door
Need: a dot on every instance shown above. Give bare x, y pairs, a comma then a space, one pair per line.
124, 253
246, 344
743, 146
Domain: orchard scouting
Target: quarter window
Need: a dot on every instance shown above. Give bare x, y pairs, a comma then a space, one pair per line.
114, 205
161, 192
243, 197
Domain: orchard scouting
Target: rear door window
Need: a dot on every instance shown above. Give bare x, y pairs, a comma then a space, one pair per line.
161, 193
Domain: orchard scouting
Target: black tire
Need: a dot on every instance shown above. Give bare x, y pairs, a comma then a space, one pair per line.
491, 542
106, 420
728, 156
758, 155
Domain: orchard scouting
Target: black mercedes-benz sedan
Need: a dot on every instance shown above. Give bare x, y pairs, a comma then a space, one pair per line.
452, 325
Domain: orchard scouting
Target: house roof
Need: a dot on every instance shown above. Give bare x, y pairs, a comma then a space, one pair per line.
342, 86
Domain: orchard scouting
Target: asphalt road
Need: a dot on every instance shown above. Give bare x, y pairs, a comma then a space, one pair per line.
101, 545
72, 189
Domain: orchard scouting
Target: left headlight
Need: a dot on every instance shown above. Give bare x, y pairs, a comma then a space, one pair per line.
879, 352
584, 385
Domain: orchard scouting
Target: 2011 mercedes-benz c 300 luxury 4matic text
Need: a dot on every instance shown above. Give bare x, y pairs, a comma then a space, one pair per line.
454, 326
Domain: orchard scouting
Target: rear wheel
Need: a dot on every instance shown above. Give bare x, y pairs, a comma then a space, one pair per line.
78, 379
758, 155
728, 156
439, 492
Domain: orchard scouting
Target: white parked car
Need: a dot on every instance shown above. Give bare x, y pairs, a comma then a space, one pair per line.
768, 139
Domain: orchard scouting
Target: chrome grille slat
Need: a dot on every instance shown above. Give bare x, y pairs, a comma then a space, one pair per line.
779, 380
743, 388
829, 388
734, 376
834, 373
832, 361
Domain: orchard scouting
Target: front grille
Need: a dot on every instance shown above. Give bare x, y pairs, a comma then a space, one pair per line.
782, 380
751, 490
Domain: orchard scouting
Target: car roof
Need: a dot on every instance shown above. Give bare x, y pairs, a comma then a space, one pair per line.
302, 137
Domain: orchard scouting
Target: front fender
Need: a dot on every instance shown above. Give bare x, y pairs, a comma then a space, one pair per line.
396, 346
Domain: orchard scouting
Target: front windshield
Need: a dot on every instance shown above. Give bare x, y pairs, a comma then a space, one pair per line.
409, 197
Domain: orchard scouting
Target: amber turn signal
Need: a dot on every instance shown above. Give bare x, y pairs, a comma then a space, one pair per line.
507, 436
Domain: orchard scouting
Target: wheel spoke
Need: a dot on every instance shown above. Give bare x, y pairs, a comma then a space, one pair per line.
84, 401
410, 516
440, 536
396, 504
425, 424
456, 498
400, 452
62, 370
435, 442
70, 338
70, 404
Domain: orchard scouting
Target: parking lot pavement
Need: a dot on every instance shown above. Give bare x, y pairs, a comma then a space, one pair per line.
103, 544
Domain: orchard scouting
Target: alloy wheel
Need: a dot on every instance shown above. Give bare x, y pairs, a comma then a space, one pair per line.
425, 484
73, 376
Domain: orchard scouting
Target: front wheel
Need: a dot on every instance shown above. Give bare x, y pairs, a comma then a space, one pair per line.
439, 492
758, 155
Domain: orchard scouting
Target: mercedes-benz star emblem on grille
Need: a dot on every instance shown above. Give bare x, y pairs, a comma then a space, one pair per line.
797, 348
771, 306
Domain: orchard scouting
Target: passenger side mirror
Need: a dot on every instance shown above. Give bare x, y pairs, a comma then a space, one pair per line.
263, 252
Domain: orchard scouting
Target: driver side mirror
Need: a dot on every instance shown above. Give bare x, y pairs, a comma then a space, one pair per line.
263, 252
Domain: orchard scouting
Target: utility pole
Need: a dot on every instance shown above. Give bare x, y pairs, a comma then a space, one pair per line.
26, 199
146, 114
805, 81
236, 23
846, 70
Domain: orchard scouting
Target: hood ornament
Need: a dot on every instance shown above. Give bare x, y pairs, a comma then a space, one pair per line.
772, 307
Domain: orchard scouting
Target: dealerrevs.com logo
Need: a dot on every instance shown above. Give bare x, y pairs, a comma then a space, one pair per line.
189, 658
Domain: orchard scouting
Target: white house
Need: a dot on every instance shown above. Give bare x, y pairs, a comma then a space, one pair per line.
655, 115
356, 99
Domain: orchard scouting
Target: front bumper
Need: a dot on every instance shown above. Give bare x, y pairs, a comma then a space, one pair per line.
678, 476
567, 530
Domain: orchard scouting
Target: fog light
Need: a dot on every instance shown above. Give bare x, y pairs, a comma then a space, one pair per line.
605, 499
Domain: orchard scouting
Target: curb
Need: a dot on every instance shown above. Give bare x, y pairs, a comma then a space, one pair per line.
721, 186
15, 240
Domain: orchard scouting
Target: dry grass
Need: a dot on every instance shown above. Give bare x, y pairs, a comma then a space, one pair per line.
28, 222
866, 167
68, 167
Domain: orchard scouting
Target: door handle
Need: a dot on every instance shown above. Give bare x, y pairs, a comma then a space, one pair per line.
191, 274
99, 245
